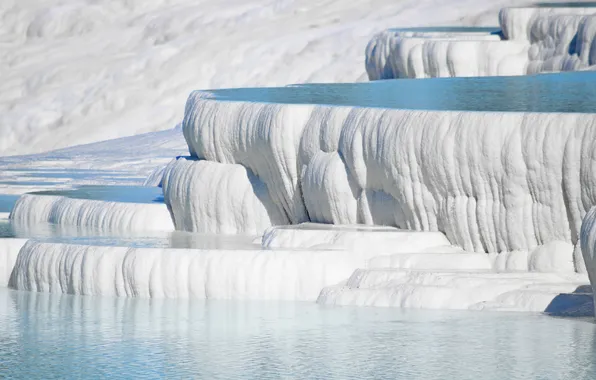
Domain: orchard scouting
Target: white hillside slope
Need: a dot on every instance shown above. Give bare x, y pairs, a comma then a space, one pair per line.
79, 71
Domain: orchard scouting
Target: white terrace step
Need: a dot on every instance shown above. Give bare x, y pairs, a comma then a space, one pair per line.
436, 289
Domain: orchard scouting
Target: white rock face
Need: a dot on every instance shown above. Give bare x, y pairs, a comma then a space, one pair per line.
432, 57
492, 182
211, 197
34, 209
380, 240
182, 273
387, 53
439, 289
536, 40
79, 71
9, 249
588, 246
517, 22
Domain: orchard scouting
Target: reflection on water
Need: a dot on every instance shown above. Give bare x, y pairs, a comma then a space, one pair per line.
7, 201
566, 4
452, 29
111, 193
151, 239
82, 337
561, 92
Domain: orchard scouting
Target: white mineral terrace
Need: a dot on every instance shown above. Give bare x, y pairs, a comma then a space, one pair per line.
529, 40
435, 193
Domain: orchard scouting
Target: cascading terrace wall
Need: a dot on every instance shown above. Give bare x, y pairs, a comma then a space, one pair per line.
534, 40
492, 182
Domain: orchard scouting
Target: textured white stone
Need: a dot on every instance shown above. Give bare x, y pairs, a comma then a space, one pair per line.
34, 209
9, 249
537, 40
380, 240
491, 182
588, 246
439, 289
387, 53
516, 22
211, 197
182, 273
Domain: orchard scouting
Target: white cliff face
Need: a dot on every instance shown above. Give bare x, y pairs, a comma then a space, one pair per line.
388, 53
588, 247
535, 40
443, 289
35, 209
380, 240
80, 71
9, 250
447, 280
517, 22
392, 54
181, 273
211, 197
492, 182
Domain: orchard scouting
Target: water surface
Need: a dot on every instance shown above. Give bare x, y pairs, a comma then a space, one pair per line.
568, 4
53, 233
110, 193
452, 29
59, 336
562, 92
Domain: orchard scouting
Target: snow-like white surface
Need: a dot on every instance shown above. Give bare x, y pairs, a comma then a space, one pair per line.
518, 23
491, 182
517, 184
285, 275
181, 273
439, 289
211, 197
9, 249
588, 246
125, 161
79, 71
35, 209
447, 57
381, 240
537, 40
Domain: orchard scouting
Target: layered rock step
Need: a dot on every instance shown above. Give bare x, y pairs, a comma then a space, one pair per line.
530, 40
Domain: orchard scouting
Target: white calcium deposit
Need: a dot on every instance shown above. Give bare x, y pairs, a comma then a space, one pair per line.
517, 22
536, 40
182, 273
80, 71
588, 246
441, 289
9, 250
381, 240
35, 209
416, 280
492, 182
211, 197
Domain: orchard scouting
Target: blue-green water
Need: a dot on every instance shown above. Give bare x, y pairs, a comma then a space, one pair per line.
127, 194
108, 193
452, 29
566, 4
45, 337
7, 202
561, 92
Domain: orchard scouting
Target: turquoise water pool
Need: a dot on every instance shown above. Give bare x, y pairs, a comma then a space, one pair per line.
572, 92
566, 4
111, 193
452, 29
52, 336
